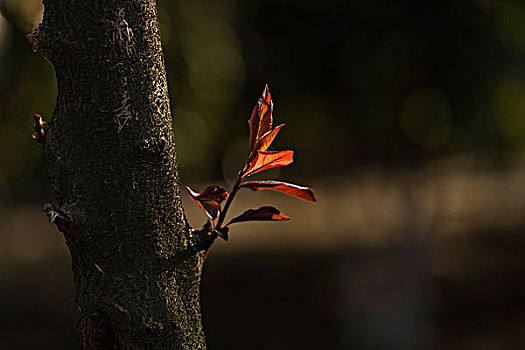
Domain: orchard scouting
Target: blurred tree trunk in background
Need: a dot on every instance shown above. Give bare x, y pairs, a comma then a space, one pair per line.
110, 155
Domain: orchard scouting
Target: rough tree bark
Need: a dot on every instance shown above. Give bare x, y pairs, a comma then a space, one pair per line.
110, 154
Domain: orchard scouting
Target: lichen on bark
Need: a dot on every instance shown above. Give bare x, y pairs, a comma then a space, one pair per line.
110, 154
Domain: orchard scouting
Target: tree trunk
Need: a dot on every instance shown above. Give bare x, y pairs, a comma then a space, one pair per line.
110, 154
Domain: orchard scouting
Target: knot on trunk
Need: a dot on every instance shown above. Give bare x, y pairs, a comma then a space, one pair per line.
62, 221
38, 39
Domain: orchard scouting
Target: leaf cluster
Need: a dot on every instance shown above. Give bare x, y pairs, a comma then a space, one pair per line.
259, 159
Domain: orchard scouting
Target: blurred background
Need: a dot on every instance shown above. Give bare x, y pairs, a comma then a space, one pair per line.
408, 120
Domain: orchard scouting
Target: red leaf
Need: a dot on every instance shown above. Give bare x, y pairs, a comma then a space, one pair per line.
267, 160
253, 124
209, 199
261, 214
260, 121
266, 108
291, 189
266, 140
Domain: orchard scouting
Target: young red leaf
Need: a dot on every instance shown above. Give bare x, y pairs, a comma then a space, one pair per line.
266, 108
267, 160
260, 121
266, 140
209, 199
261, 214
253, 124
291, 189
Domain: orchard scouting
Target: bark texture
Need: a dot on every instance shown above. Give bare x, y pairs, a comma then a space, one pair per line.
110, 154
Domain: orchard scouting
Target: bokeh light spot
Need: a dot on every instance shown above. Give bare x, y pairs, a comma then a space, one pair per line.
511, 23
206, 14
509, 108
192, 137
425, 118
5, 35
217, 72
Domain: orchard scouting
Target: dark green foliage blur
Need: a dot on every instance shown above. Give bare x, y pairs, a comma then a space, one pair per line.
355, 82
